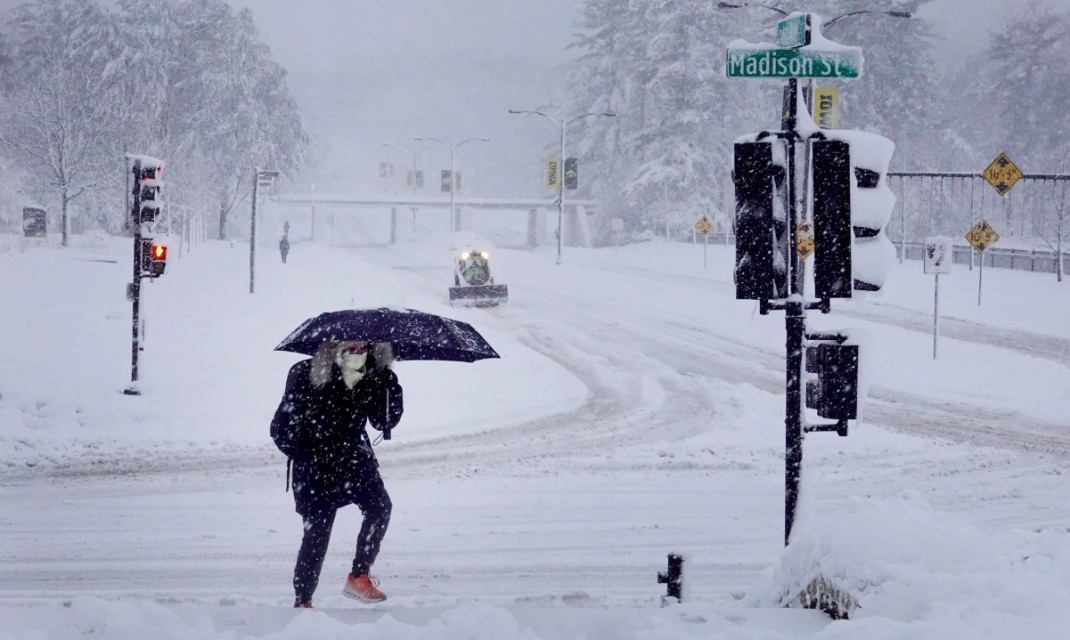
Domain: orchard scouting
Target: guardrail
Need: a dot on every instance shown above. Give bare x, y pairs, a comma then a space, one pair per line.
1017, 259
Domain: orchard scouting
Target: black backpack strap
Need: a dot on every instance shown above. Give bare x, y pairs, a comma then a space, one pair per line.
289, 462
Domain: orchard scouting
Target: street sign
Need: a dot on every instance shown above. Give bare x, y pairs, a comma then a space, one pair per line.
793, 31
937, 258
616, 225
827, 107
982, 236
1002, 174
551, 173
794, 63
804, 239
704, 226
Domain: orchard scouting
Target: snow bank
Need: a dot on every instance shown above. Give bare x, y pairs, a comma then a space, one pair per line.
901, 559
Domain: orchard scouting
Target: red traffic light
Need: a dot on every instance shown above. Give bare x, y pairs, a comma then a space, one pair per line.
158, 253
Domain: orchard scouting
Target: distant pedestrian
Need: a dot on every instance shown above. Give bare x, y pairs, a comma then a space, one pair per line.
284, 248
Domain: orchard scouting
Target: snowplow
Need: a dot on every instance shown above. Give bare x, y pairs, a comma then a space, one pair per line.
473, 283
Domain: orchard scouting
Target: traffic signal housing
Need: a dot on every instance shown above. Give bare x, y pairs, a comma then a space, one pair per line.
147, 184
831, 162
834, 391
572, 176
868, 261
760, 220
153, 258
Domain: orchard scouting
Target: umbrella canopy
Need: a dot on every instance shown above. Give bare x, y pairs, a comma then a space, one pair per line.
415, 335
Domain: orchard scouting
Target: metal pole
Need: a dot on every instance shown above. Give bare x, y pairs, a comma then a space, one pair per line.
980, 276
936, 313
561, 194
414, 189
705, 243
135, 284
795, 327
902, 222
252, 231
453, 185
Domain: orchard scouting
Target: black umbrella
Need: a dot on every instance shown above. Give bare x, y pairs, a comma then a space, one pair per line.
414, 335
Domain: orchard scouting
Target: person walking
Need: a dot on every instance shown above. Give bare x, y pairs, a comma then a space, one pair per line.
284, 248
320, 426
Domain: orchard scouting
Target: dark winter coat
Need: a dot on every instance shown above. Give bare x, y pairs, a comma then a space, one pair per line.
322, 431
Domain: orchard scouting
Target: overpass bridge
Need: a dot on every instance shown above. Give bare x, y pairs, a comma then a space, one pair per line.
540, 210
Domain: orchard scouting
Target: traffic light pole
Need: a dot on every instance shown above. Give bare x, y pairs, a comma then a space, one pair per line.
135, 297
795, 327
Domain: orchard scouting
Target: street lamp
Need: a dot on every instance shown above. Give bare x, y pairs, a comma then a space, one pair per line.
453, 175
562, 126
894, 14
412, 177
726, 5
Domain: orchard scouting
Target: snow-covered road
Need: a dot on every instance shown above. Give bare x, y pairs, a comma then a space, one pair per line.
637, 410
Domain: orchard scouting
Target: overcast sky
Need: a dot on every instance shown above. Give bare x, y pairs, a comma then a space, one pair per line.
321, 34
368, 72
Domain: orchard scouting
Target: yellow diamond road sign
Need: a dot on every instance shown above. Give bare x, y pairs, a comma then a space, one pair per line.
1002, 174
982, 236
804, 239
704, 225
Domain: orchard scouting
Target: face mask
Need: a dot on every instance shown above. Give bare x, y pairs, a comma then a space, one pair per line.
353, 361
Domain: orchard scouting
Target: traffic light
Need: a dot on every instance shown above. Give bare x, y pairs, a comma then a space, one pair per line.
572, 176
831, 163
761, 261
147, 183
872, 255
457, 182
153, 258
834, 392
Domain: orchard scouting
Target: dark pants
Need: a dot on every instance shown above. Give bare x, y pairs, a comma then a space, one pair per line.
375, 504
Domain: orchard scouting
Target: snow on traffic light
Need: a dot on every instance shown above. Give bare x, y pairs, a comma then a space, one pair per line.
864, 264
147, 183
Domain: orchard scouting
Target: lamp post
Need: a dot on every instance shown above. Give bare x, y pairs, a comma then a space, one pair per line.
562, 125
454, 226
261, 178
413, 176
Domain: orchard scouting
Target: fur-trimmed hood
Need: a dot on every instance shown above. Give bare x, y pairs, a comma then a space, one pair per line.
326, 359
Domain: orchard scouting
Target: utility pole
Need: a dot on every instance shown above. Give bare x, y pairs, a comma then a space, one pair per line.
454, 224
561, 125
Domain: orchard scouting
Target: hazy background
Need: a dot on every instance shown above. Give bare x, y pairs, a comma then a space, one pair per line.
366, 73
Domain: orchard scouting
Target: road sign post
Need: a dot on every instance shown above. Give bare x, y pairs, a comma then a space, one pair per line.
937, 260
704, 227
981, 236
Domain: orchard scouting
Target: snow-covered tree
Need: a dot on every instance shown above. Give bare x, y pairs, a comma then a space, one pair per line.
55, 126
188, 81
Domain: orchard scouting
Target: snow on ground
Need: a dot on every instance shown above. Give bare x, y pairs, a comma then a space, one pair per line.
637, 409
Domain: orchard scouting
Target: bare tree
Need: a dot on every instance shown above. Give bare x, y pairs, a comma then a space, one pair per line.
1052, 224
55, 132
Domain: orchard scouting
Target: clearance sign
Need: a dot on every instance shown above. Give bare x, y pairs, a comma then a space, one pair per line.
827, 107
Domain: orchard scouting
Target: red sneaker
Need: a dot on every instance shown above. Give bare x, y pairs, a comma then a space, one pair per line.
302, 605
364, 588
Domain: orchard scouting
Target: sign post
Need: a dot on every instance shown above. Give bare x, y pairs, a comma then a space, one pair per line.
616, 225
704, 227
937, 260
981, 236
